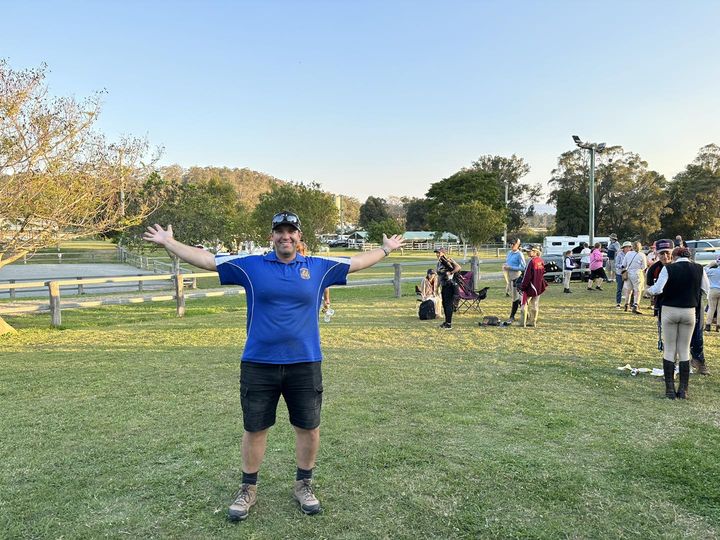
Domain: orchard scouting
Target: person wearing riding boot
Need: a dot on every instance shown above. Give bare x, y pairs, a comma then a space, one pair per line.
532, 286
446, 269
515, 266
635, 263
597, 268
681, 283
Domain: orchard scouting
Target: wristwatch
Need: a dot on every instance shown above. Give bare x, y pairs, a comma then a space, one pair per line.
386, 250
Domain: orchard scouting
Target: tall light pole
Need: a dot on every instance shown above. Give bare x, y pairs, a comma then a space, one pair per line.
506, 217
592, 147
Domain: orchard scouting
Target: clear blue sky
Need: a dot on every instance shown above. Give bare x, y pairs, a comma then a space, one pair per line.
383, 97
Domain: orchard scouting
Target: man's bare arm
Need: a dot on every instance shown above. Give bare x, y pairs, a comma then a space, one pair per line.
369, 258
191, 255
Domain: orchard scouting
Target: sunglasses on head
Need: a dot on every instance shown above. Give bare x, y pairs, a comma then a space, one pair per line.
285, 217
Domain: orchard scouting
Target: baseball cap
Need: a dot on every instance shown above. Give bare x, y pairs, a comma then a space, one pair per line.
286, 218
439, 250
664, 245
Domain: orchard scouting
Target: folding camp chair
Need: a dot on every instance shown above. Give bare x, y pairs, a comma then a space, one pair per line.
469, 299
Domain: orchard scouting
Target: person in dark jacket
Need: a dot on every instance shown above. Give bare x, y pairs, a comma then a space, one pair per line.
681, 283
532, 286
446, 269
663, 250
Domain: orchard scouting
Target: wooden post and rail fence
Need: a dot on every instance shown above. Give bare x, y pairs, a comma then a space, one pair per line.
179, 281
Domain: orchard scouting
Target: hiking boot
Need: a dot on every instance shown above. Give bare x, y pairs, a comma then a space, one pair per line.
567, 291
699, 367
303, 493
598, 288
618, 306
707, 327
445, 325
244, 500
636, 311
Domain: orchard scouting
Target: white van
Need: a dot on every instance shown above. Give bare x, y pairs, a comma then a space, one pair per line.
558, 245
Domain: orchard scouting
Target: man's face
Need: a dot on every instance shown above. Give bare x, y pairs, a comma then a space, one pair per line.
626, 249
665, 257
285, 239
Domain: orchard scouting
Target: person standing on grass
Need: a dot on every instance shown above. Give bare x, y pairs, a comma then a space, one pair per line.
712, 271
663, 250
597, 268
612, 250
282, 353
619, 282
568, 267
682, 284
532, 286
635, 263
446, 270
515, 266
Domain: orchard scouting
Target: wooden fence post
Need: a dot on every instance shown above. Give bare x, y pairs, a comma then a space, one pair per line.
81, 289
179, 294
475, 267
55, 315
140, 284
396, 280
12, 291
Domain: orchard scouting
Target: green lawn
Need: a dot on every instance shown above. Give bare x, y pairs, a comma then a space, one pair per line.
126, 424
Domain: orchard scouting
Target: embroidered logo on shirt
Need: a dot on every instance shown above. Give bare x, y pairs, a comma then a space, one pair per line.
305, 273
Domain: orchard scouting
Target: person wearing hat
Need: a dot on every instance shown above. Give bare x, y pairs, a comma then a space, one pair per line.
532, 286
282, 354
514, 266
682, 284
612, 250
663, 254
635, 264
446, 270
619, 282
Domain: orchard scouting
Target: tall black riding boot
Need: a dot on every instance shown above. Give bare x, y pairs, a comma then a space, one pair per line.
669, 371
682, 392
515, 306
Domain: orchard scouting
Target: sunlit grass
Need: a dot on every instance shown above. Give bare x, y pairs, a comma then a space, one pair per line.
126, 423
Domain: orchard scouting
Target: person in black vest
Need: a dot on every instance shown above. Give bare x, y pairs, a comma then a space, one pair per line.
446, 269
681, 283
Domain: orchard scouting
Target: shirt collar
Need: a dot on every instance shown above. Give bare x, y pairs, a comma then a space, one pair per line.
272, 256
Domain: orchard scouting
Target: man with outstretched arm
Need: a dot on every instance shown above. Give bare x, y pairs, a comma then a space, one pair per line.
282, 353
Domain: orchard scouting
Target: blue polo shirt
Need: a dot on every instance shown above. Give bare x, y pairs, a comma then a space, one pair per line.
283, 300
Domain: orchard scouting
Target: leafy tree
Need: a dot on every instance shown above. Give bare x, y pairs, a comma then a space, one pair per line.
58, 178
629, 198
509, 171
388, 226
462, 187
350, 213
416, 214
396, 209
200, 213
693, 197
373, 209
475, 222
316, 208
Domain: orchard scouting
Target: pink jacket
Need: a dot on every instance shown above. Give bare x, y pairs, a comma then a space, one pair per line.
596, 259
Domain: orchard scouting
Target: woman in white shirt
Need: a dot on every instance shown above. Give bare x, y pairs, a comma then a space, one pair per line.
635, 263
682, 285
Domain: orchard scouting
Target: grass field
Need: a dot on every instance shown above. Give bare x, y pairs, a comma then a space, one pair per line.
125, 423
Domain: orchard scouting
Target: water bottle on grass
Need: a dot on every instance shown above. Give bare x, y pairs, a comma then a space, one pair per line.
329, 312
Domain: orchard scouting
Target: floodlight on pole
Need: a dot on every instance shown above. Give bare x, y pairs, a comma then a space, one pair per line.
592, 147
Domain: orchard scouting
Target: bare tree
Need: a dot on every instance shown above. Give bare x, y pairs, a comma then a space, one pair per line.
59, 179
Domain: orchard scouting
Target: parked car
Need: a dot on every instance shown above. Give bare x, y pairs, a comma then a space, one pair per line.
338, 242
704, 250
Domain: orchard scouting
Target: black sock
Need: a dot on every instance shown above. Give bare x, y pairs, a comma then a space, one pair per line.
303, 474
249, 478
